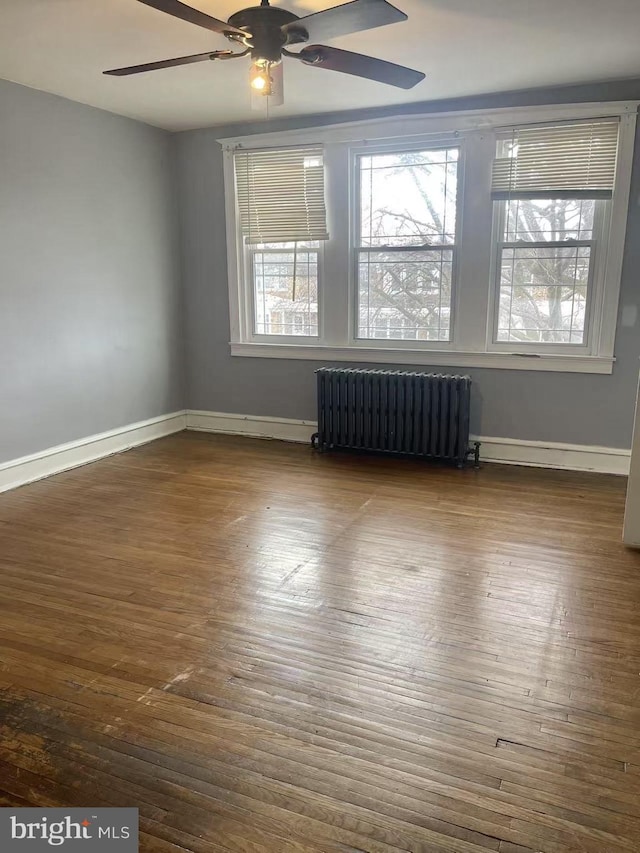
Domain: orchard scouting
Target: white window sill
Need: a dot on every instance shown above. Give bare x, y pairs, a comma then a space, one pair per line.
431, 358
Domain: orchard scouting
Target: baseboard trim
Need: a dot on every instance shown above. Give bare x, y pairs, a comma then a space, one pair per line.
37, 466
543, 454
252, 426
505, 451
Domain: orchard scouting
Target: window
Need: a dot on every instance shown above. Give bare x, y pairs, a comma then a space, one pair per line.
407, 236
552, 186
285, 287
480, 239
545, 269
280, 197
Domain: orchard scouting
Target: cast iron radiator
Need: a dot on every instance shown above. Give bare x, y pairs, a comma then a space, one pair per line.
421, 414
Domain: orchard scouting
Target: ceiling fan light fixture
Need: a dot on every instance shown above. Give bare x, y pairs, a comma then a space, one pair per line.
266, 85
260, 77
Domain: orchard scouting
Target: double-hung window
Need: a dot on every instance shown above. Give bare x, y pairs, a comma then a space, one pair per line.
475, 239
406, 230
553, 187
280, 195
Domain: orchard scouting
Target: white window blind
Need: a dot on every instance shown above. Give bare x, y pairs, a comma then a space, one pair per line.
575, 160
280, 194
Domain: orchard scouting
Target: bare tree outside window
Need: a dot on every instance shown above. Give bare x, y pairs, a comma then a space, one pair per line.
285, 288
407, 243
545, 260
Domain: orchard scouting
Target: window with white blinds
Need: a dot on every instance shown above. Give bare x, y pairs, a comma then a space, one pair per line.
576, 160
280, 194
431, 261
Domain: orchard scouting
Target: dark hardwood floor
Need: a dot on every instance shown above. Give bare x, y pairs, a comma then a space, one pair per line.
265, 649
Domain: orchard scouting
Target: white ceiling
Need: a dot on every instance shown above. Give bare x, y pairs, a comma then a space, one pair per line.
465, 47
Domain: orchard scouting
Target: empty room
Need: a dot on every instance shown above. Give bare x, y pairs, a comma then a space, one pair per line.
319, 463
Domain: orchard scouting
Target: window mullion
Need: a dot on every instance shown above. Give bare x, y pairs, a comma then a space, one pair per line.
334, 291
596, 295
472, 291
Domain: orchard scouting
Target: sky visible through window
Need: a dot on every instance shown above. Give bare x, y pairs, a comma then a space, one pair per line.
407, 236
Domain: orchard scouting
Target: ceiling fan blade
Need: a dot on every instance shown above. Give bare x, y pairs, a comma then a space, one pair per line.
360, 65
341, 20
193, 16
163, 63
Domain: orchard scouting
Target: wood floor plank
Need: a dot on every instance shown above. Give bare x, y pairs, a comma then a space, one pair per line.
270, 651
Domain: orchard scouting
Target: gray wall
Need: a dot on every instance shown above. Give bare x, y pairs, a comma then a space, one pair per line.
566, 407
90, 301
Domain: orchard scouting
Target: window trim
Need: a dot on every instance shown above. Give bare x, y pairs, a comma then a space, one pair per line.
434, 358
473, 129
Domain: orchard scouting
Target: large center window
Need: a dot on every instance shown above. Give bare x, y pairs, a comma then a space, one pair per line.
407, 239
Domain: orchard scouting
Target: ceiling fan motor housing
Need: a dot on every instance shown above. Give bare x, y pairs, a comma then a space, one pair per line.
264, 25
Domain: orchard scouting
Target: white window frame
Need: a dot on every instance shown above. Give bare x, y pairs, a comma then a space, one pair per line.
474, 291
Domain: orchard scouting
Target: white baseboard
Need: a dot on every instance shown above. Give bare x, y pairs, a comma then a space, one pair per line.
547, 454
506, 451
254, 426
27, 469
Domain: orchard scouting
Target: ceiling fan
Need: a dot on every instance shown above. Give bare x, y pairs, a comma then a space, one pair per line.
266, 32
